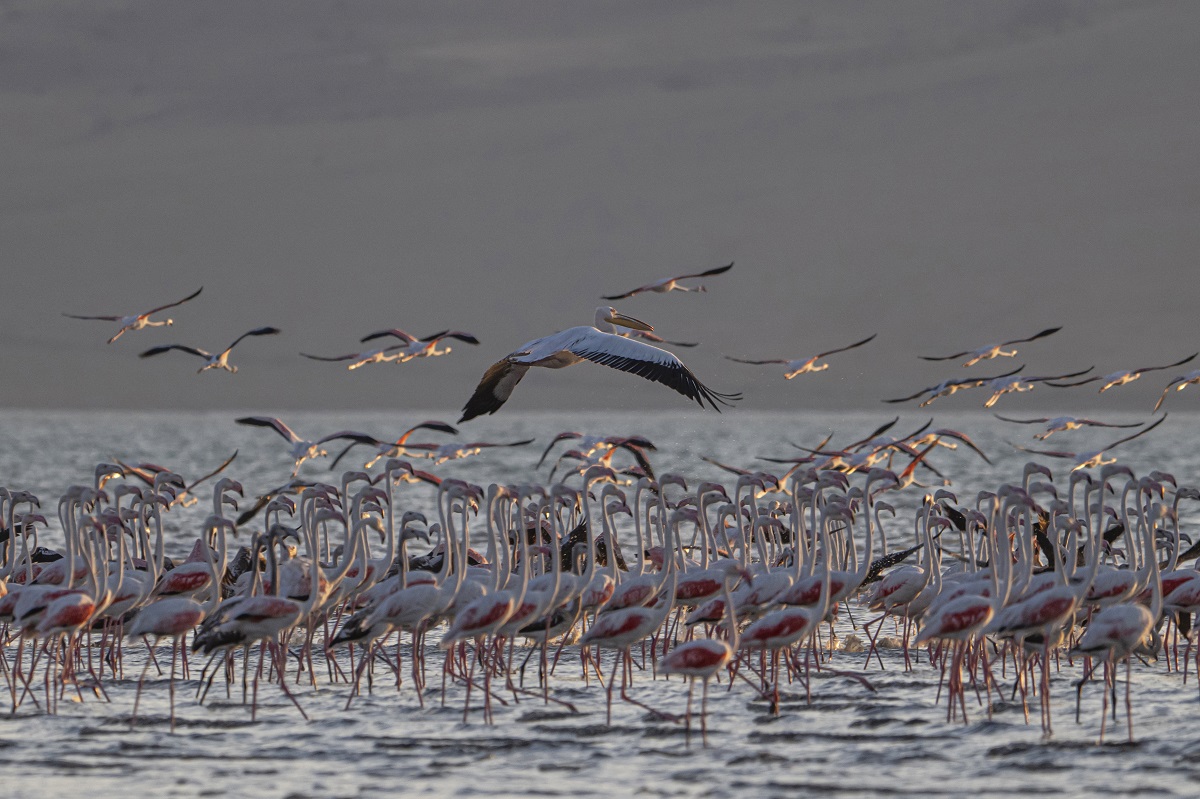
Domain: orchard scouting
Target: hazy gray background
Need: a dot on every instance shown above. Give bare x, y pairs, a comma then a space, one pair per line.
946, 174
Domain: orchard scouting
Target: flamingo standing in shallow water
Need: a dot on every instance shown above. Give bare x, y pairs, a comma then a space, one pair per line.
173, 617
704, 657
1117, 631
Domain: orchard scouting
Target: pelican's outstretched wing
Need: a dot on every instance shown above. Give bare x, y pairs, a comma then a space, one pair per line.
649, 362
494, 389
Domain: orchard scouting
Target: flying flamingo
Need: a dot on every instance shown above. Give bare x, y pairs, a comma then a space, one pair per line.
392, 449
1091, 458
671, 284
1179, 384
411, 347
1124, 377
947, 388
1020, 384
360, 359
1062, 423
989, 351
142, 320
302, 450
801, 366
218, 360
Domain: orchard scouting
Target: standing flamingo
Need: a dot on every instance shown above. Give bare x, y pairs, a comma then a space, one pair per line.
173, 617
1118, 630
704, 657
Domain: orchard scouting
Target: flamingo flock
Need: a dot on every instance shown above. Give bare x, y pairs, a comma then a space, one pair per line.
630, 573
631, 577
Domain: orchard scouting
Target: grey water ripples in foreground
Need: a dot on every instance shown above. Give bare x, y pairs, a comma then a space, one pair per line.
886, 739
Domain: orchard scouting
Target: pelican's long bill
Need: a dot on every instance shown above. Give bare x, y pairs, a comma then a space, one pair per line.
618, 318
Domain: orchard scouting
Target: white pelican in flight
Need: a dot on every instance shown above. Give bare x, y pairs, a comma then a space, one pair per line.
141, 320
599, 343
218, 360
671, 284
1121, 378
802, 366
991, 350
